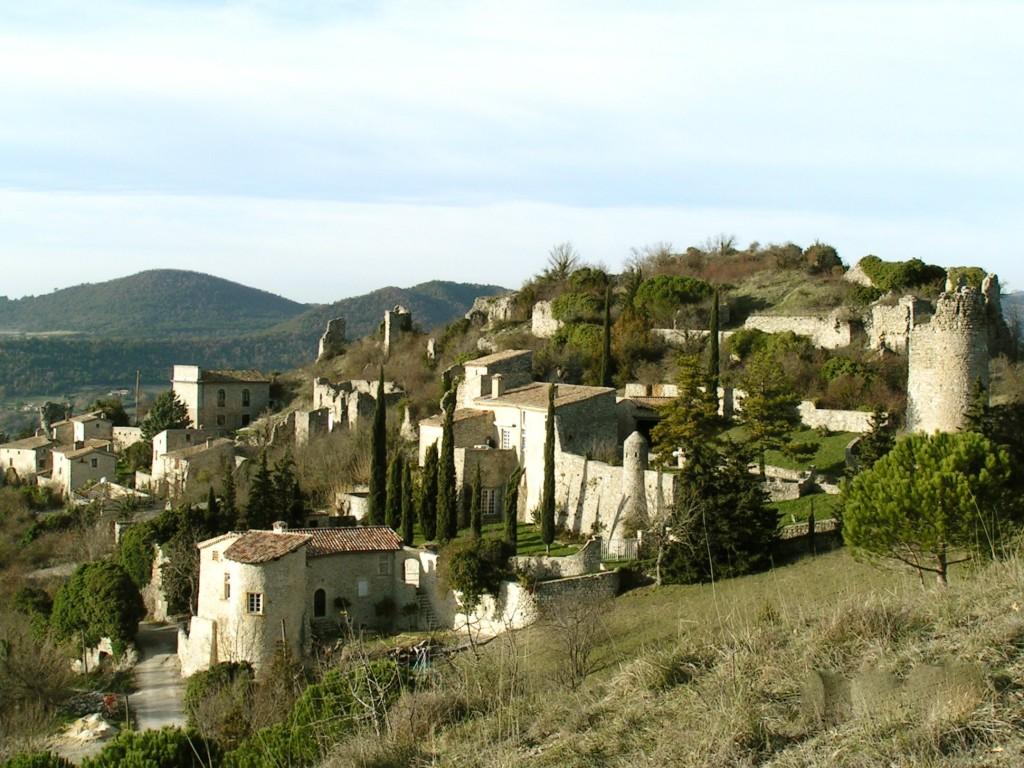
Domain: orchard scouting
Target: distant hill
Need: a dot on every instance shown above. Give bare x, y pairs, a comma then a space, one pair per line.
159, 303
1013, 306
432, 304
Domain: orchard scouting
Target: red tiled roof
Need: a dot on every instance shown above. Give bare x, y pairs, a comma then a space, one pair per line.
362, 538
460, 414
535, 395
228, 377
263, 546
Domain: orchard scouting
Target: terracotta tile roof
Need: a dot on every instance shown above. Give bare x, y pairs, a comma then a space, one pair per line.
250, 375
461, 414
535, 395
40, 441
361, 538
192, 450
497, 357
254, 547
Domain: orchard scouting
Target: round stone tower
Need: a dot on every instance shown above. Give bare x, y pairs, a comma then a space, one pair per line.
947, 357
634, 463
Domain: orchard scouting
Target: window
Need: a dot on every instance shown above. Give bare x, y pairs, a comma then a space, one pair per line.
363, 587
222, 397
319, 603
220, 420
94, 463
384, 565
254, 602
245, 419
506, 439
245, 398
227, 585
489, 502
215, 555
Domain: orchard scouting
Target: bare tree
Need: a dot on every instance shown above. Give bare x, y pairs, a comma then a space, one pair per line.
671, 523
563, 260
574, 627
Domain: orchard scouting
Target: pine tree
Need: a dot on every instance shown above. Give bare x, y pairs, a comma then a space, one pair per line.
260, 511
606, 340
547, 500
476, 522
212, 521
394, 498
428, 494
447, 493
512, 508
408, 528
876, 442
690, 418
289, 504
714, 354
770, 408
229, 498
167, 412
378, 458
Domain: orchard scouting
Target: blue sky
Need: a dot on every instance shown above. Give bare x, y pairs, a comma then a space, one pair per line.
323, 149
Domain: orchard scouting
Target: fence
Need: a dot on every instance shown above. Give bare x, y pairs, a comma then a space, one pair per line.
620, 549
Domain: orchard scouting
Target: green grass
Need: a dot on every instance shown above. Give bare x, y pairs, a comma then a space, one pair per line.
830, 457
528, 541
798, 510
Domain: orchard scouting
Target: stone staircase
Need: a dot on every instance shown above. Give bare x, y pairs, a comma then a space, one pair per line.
428, 619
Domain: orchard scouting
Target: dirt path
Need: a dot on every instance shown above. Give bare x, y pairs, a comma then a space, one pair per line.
160, 688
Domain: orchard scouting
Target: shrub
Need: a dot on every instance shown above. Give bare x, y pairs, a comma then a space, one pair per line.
204, 684
474, 568
577, 307
900, 275
37, 760
99, 600
660, 297
166, 748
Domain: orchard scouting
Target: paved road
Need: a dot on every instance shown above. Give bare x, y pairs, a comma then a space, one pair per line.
160, 688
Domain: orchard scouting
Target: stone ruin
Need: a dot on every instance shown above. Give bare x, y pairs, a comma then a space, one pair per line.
397, 321
332, 343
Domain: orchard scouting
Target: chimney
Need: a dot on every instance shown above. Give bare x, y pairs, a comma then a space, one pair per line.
280, 527
497, 385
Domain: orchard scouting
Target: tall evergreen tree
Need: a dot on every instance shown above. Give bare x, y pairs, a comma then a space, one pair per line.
212, 520
876, 442
512, 508
167, 412
770, 408
690, 418
447, 492
408, 522
714, 354
476, 521
428, 494
260, 511
547, 499
606, 339
375, 514
289, 504
394, 499
229, 497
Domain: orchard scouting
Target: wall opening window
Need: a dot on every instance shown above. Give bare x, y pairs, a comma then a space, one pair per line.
319, 603
227, 586
220, 420
505, 442
94, 463
222, 397
489, 502
384, 565
246, 419
245, 398
254, 602
363, 587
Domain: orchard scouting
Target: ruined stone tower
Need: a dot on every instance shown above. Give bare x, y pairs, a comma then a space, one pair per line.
332, 343
947, 357
396, 322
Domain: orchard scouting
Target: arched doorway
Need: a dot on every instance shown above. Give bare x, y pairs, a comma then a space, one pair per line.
319, 604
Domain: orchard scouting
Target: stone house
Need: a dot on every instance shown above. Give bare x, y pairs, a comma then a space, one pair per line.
28, 457
261, 587
78, 464
177, 471
176, 439
221, 400
78, 429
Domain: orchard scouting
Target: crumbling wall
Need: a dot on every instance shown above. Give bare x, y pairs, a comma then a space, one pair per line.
488, 310
828, 332
889, 324
947, 357
543, 324
332, 343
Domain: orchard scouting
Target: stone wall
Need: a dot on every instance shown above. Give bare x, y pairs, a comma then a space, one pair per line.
543, 324
828, 332
332, 343
488, 310
153, 593
888, 323
397, 321
125, 437
311, 424
834, 420
947, 357
682, 337
544, 568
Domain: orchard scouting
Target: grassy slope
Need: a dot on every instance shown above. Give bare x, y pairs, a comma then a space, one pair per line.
830, 456
695, 676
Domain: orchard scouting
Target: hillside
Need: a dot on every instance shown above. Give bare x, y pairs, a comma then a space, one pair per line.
435, 303
159, 303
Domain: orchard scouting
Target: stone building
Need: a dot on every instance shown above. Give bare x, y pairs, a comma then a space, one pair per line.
947, 359
397, 321
177, 471
259, 587
77, 464
890, 320
28, 457
77, 429
222, 400
349, 402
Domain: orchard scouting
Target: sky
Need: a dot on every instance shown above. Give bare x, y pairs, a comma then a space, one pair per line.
323, 149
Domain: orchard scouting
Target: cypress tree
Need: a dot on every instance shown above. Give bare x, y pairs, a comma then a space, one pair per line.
378, 458
547, 499
714, 354
212, 520
447, 493
260, 509
394, 499
229, 499
407, 507
606, 340
428, 494
512, 508
476, 522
